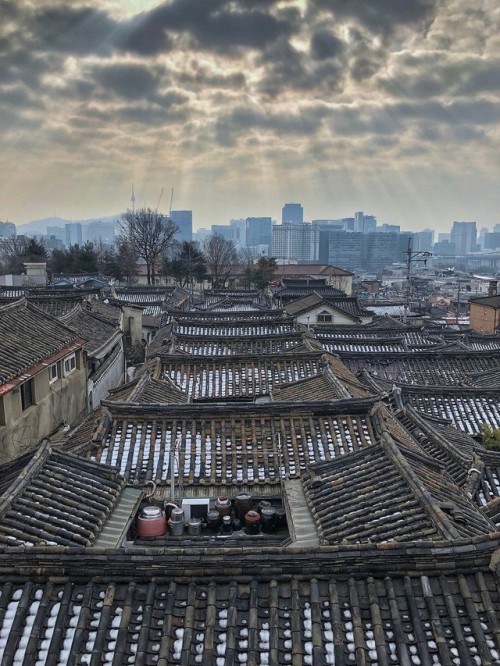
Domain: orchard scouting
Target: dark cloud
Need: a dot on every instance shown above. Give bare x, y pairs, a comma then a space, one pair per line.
74, 29
381, 16
437, 74
242, 120
221, 25
324, 45
130, 81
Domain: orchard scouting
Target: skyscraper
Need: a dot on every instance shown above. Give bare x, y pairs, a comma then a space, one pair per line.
184, 220
292, 213
295, 241
259, 231
74, 235
464, 236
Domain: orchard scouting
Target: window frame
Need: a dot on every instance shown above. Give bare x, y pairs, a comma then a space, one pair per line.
52, 378
69, 361
27, 390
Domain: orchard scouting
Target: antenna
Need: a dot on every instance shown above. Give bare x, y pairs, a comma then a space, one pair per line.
171, 200
161, 194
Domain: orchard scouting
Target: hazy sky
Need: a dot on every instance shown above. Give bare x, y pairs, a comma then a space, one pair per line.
386, 106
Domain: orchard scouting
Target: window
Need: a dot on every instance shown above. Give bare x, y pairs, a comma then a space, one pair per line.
69, 364
27, 394
53, 373
325, 316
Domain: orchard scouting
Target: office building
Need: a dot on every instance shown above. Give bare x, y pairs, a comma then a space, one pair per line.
292, 213
299, 242
365, 224
7, 229
101, 232
240, 233
259, 232
184, 220
73, 234
423, 240
341, 248
224, 230
464, 235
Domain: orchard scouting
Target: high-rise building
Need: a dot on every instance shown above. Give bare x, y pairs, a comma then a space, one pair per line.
224, 230
365, 224
299, 242
389, 229
100, 231
7, 229
184, 220
240, 231
423, 240
259, 232
74, 234
464, 235
341, 248
292, 213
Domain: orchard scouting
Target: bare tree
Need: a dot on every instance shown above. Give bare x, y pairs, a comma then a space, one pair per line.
222, 257
151, 234
16, 250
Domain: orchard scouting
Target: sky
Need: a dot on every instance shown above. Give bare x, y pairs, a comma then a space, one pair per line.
386, 106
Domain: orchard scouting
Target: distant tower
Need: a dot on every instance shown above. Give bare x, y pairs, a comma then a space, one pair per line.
132, 199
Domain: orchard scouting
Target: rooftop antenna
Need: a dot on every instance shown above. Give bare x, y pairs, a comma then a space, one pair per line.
161, 194
132, 199
171, 200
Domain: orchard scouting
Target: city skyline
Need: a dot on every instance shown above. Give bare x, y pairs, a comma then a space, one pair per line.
241, 108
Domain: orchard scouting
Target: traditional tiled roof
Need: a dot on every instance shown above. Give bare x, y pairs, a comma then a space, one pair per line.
30, 336
300, 620
252, 444
229, 346
466, 409
383, 494
98, 331
58, 499
347, 305
422, 368
237, 376
237, 328
109, 310
221, 317
469, 464
57, 305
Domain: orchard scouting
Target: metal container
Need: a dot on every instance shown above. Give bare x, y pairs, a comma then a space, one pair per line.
194, 527
176, 522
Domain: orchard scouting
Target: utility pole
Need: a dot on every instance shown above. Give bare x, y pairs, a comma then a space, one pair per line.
411, 258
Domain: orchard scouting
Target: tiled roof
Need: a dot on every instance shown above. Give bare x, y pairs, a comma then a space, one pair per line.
221, 317
234, 328
231, 444
346, 304
237, 376
95, 329
382, 494
422, 368
29, 336
299, 620
466, 410
230, 346
58, 499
